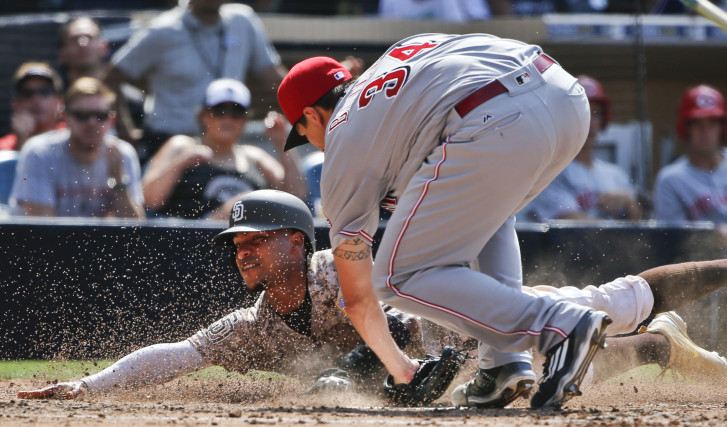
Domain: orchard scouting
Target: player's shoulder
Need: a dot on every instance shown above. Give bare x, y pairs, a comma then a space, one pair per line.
322, 272
322, 263
168, 19
674, 170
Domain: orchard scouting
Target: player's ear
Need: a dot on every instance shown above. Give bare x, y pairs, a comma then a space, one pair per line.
312, 113
298, 239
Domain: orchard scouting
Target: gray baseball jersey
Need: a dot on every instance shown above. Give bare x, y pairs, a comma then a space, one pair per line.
684, 192
257, 337
577, 188
397, 137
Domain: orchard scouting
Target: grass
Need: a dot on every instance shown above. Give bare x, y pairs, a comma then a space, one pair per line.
73, 369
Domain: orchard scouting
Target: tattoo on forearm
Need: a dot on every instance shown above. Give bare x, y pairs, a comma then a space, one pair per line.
362, 251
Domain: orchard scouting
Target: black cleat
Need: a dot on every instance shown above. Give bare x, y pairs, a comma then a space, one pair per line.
567, 362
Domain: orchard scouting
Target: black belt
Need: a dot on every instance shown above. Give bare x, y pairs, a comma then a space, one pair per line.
494, 88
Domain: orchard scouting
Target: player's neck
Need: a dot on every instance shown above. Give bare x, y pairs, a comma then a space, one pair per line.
706, 161
288, 294
205, 16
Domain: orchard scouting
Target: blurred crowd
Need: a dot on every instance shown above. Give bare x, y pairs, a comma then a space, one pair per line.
448, 10
158, 128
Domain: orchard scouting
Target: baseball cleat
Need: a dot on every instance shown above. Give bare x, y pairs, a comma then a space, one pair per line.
567, 362
496, 387
685, 357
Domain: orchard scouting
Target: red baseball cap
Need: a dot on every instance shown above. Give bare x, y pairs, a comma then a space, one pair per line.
305, 84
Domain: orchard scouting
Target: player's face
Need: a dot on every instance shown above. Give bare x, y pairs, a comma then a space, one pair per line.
704, 135
267, 258
314, 127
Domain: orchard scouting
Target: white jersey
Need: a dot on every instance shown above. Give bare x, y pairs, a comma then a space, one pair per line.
577, 189
394, 115
684, 192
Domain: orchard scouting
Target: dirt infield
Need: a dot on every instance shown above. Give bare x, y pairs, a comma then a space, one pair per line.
244, 401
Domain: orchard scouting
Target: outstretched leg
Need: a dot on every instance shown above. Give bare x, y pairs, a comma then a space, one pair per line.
676, 285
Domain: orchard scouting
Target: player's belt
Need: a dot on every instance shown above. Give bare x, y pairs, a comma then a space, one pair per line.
494, 88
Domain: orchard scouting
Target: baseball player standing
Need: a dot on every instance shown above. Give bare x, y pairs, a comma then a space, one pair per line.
459, 132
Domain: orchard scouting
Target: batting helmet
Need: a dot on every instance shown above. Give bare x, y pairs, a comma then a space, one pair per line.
700, 102
595, 93
266, 210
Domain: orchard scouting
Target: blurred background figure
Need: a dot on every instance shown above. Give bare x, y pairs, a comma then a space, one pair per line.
439, 10
37, 104
82, 51
694, 187
196, 177
588, 188
81, 171
177, 56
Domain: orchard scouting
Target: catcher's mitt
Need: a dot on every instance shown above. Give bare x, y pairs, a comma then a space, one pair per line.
434, 376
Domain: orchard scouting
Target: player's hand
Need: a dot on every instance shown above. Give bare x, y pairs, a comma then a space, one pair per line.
331, 380
69, 390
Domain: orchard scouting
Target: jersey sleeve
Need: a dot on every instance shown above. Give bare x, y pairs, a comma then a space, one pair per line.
351, 204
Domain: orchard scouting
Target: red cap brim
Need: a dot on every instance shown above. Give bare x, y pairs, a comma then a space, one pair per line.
294, 140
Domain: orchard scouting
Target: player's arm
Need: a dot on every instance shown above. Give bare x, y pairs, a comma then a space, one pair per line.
114, 78
155, 364
355, 264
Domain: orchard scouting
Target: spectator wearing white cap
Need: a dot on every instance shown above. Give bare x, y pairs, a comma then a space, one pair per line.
193, 177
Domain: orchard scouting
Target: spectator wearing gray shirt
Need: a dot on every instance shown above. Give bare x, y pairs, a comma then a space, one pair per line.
81, 171
178, 55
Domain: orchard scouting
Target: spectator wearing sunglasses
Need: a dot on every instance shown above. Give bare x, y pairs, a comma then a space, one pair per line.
81, 171
201, 177
37, 104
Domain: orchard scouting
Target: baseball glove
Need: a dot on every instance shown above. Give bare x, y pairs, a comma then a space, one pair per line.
434, 376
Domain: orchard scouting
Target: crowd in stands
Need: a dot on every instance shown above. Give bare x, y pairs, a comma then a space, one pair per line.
450, 10
157, 129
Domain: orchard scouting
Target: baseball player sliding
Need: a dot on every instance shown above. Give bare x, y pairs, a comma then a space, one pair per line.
297, 315
459, 132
